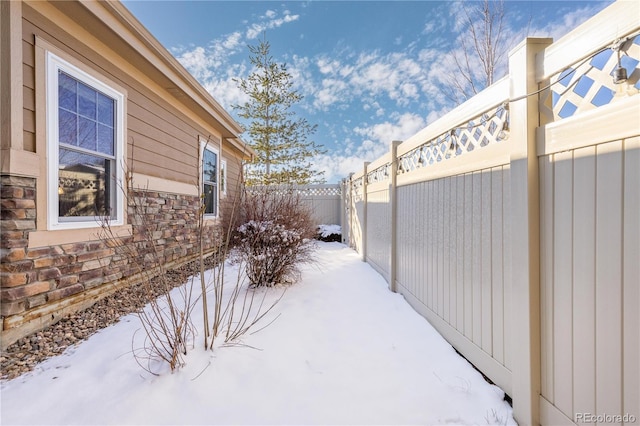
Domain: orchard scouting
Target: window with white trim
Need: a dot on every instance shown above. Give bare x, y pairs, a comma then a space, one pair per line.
85, 147
210, 190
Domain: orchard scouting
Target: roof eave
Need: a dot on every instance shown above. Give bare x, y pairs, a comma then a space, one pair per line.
143, 42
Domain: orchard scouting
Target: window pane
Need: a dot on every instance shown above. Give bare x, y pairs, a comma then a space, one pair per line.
106, 108
85, 185
88, 133
210, 199
209, 166
86, 101
67, 127
67, 92
105, 139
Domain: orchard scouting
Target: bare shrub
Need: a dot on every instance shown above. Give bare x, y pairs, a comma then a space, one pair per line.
273, 234
168, 331
166, 318
237, 307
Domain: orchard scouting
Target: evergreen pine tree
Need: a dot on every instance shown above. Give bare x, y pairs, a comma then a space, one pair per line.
280, 139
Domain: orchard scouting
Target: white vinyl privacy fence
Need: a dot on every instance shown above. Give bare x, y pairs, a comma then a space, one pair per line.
325, 201
513, 224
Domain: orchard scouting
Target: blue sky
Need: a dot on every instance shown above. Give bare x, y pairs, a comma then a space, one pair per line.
370, 71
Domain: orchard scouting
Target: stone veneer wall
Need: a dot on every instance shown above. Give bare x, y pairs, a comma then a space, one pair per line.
33, 277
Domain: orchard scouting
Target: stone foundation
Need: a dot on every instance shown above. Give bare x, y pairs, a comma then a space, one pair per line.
164, 233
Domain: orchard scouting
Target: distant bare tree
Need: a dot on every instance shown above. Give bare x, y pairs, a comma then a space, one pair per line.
483, 47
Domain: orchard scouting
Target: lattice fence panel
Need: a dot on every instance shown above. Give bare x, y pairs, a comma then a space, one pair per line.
379, 174
321, 191
489, 128
589, 84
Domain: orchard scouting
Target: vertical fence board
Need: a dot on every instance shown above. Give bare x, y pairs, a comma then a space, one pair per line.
546, 276
428, 278
401, 237
436, 248
446, 247
409, 253
409, 241
424, 203
416, 260
487, 314
506, 203
468, 244
476, 253
404, 271
563, 279
609, 278
460, 249
631, 278
429, 242
584, 206
451, 254
411, 256
436, 237
439, 243
497, 278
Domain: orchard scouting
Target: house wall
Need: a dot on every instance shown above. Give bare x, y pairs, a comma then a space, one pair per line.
515, 225
46, 273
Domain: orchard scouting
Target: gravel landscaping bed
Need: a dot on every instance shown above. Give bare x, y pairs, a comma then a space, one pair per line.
22, 356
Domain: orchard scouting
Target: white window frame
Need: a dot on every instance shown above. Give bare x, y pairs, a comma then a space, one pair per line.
54, 64
210, 147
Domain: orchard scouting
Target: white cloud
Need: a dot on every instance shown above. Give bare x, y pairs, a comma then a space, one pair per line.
212, 67
271, 22
457, 16
330, 93
399, 77
326, 66
226, 92
232, 41
302, 76
198, 62
376, 141
572, 18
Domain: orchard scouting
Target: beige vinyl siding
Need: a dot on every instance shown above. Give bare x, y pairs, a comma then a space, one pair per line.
28, 90
234, 171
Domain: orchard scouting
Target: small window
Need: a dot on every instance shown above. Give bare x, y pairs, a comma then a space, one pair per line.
85, 134
210, 180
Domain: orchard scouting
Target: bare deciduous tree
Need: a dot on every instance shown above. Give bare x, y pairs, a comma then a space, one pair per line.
482, 49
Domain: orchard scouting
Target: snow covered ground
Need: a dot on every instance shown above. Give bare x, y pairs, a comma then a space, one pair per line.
326, 230
344, 350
